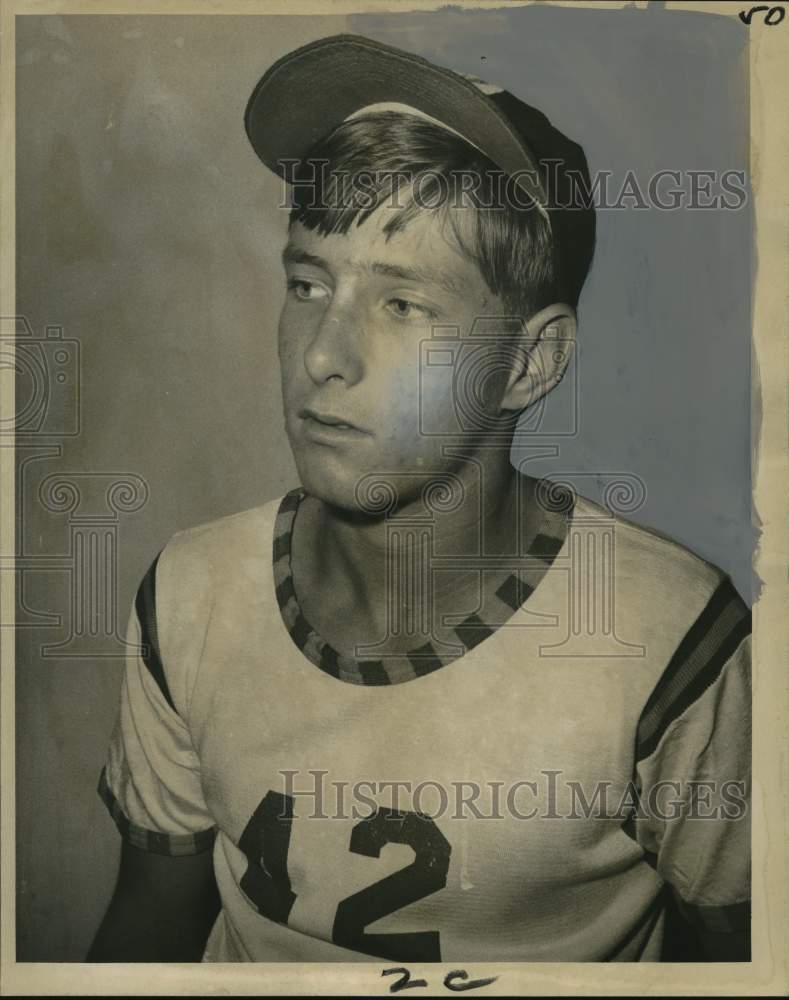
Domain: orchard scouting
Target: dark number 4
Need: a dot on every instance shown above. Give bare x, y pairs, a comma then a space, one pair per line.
266, 883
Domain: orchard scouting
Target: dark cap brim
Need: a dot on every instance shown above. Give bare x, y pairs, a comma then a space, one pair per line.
306, 94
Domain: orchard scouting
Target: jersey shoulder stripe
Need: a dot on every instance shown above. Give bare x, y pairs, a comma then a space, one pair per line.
145, 607
697, 662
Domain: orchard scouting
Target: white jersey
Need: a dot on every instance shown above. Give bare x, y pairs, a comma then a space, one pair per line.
532, 799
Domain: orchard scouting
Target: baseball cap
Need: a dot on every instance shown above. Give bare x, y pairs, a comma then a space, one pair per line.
308, 92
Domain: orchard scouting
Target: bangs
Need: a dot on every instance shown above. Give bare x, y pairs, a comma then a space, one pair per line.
411, 166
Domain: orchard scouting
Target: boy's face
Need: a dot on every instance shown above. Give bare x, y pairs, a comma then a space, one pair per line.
358, 310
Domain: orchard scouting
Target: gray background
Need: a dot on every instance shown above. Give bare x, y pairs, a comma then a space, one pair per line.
147, 229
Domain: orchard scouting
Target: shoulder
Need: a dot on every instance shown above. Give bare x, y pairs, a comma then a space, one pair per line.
650, 591
686, 616
202, 563
648, 562
198, 569
681, 609
215, 548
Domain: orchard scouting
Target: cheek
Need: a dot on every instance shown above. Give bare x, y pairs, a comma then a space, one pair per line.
290, 348
414, 406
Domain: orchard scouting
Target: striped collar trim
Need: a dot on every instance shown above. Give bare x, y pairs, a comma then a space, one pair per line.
511, 596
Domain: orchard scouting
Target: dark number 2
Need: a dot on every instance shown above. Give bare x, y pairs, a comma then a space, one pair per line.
426, 874
457, 980
266, 882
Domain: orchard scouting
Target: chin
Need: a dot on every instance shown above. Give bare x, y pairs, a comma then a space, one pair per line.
330, 481
331, 492
370, 495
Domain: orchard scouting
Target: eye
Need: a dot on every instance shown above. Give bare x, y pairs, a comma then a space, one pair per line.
305, 290
406, 309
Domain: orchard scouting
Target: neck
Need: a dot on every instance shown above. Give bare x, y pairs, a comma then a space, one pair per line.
475, 513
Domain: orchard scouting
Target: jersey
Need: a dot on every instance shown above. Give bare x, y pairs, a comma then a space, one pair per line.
533, 798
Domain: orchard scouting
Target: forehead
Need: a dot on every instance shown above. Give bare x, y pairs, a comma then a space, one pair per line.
426, 246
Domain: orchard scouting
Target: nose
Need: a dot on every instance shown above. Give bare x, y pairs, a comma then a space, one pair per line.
333, 351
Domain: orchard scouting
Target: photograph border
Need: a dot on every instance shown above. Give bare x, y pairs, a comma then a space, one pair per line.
768, 972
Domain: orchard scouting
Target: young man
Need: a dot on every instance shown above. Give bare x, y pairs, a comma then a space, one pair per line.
426, 707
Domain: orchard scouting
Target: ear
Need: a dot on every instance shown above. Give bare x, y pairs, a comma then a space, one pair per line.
547, 346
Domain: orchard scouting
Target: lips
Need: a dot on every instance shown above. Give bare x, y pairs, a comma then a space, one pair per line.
329, 420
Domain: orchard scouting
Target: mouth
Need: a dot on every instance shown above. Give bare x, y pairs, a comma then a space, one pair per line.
328, 426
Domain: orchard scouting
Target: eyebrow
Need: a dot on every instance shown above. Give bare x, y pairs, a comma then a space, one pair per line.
425, 275
292, 255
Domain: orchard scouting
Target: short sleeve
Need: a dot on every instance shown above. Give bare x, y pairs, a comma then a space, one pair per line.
693, 768
151, 780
